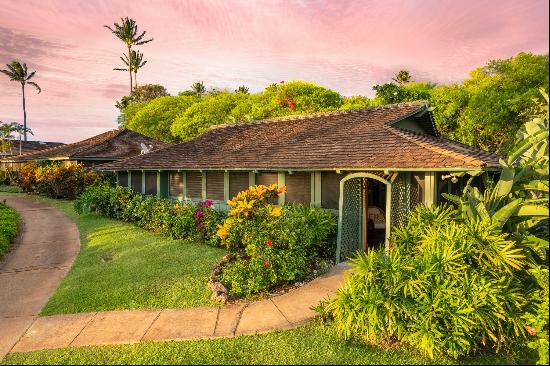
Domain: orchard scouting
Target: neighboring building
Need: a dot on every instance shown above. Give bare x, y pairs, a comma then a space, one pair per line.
25, 147
106, 147
370, 165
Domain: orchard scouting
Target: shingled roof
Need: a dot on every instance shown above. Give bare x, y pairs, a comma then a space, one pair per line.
369, 138
110, 145
28, 147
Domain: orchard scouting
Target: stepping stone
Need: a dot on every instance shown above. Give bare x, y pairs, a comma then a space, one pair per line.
53, 332
180, 324
116, 327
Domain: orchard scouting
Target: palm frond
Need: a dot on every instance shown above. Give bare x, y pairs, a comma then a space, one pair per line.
36, 86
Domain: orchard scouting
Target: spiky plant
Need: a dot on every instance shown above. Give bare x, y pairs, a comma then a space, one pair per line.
128, 33
18, 72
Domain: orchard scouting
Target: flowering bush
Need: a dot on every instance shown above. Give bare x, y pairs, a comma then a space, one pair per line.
180, 221
275, 245
56, 180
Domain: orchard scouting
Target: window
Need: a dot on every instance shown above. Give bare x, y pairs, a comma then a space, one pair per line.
123, 179
330, 189
176, 184
136, 181
214, 186
194, 184
298, 187
151, 183
238, 182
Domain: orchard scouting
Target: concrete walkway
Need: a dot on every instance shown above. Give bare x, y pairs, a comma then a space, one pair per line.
47, 249
31, 271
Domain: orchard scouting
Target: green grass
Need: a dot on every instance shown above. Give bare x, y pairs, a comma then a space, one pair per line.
9, 189
121, 266
9, 224
306, 345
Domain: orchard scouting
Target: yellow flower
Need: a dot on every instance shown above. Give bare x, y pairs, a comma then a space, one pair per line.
275, 211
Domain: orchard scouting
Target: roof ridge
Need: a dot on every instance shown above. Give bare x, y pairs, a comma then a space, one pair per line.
303, 116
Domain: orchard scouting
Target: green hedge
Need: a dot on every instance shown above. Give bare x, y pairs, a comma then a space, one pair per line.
197, 222
9, 223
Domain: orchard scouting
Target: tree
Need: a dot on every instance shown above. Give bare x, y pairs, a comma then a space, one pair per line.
129, 105
6, 134
489, 107
155, 118
390, 93
127, 32
134, 64
18, 72
242, 89
198, 88
402, 77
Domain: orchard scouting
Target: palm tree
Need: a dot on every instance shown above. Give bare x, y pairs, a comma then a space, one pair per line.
242, 89
198, 88
134, 64
127, 32
6, 134
18, 72
402, 77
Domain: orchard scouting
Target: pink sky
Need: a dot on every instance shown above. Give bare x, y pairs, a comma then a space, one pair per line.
346, 45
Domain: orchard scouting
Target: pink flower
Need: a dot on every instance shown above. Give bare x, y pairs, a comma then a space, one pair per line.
199, 213
208, 203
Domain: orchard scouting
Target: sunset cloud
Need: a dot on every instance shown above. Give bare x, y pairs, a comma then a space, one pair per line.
345, 45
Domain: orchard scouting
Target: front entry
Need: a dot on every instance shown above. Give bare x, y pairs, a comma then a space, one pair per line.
363, 222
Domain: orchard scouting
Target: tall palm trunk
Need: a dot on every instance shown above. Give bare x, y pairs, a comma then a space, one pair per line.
135, 79
130, 67
24, 111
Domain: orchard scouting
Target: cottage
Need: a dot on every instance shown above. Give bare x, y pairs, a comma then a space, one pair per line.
103, 148
369, 165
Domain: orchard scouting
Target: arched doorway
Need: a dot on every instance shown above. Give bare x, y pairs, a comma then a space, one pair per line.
364, 213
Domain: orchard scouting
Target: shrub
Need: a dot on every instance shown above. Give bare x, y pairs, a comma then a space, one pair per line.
9, 223
275, 245
198, 222
447, 286
56, 180
6, 176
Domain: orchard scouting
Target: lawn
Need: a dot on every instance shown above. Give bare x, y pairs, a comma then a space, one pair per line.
9, 223
307, 345
121, 266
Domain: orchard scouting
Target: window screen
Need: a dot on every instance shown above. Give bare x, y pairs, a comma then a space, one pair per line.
214, 186
176, 184
266, 179
123, 179
136, 182
298, 187
194, 184
330, 189
151, 183
238, 182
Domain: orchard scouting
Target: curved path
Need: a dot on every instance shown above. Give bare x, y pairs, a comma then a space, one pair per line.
43, 252
130, 326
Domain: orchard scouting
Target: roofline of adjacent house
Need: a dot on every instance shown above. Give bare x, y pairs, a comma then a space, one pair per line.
442, 169
59, 158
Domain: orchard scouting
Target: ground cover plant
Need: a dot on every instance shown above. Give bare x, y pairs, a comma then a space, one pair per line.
121, 266
311, 344
273, 245
9, 224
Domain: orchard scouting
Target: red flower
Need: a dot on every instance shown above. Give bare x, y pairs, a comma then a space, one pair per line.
282, 81
267, 264
268, 242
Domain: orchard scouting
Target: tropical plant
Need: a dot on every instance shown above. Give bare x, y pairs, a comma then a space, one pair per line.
127, 32
18, 72
6, 135
447, 286
198, 89
242, 89
134, 64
